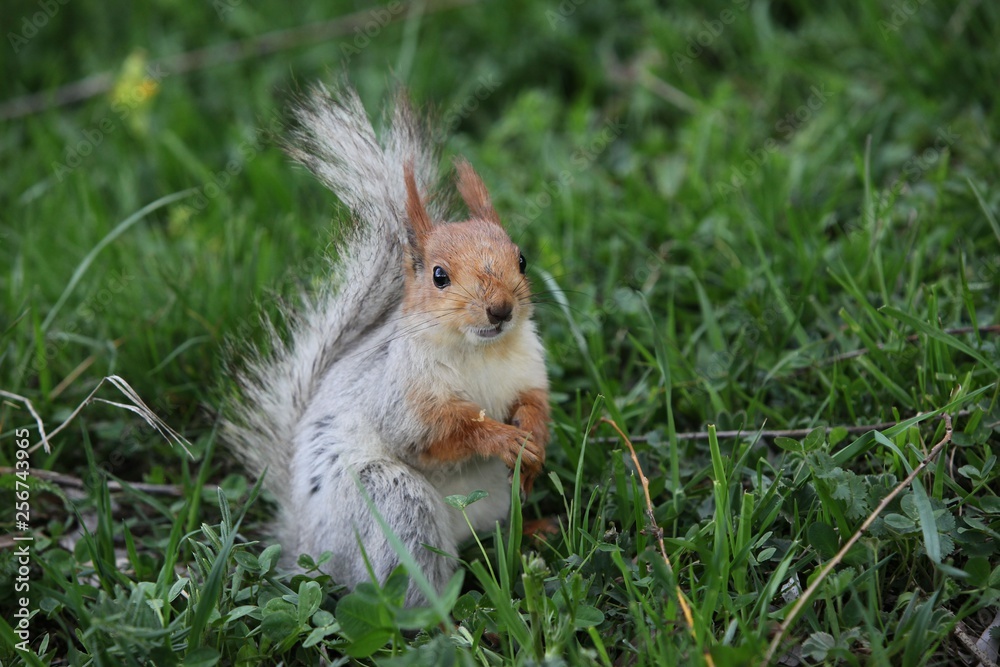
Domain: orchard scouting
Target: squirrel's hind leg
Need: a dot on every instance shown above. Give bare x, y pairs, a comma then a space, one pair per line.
415, 513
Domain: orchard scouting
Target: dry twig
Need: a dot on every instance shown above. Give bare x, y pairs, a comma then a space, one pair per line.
135, 405
657, 531
805, 598
781, 433
34, 414
73, 482
972, 646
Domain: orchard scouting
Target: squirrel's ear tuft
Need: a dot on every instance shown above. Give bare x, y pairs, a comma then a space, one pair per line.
420, 222
473, 191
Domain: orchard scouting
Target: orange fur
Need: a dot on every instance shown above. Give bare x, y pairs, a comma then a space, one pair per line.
474, 193
531, 413
420, 221
459, 432
482, 264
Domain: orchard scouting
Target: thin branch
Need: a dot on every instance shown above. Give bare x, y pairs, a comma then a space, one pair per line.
670, 93
806, 597
657, 531
73, 482
77, 91
637, 72
211, 56
785, 433
972, 646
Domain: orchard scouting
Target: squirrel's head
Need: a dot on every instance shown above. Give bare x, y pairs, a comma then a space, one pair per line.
466, 278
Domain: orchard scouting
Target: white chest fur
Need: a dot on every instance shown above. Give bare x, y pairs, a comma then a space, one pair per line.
491, 376
493, 379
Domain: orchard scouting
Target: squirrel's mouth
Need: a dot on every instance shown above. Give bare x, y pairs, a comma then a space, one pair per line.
487, 333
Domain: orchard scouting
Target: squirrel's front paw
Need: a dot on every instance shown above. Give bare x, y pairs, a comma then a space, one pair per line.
509, 441
528, 418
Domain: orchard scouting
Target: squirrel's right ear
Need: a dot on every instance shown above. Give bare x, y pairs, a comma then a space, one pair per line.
420, 222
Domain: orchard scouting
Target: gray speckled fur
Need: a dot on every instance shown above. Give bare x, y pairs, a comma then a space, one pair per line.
324, 410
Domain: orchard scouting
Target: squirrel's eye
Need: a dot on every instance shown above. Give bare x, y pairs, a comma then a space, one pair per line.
521, 263
441, 279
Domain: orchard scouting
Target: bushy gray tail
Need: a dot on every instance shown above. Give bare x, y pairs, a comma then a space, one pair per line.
334, 138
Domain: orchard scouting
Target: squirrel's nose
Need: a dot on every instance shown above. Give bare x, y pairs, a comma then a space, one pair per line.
499, 313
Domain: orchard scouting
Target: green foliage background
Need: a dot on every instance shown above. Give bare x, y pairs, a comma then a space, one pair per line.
748, 214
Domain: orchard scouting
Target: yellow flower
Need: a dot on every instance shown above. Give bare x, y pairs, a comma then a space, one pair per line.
133, 91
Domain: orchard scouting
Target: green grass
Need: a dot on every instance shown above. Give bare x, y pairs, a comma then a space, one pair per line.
719, 205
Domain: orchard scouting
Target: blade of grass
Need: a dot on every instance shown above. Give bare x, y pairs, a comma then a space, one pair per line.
118, 230
987, 211
806, 596
940, 336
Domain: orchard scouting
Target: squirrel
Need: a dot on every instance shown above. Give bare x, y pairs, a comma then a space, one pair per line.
414, 372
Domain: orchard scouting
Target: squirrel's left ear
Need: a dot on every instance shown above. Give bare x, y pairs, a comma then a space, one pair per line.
420, 221
473, 191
